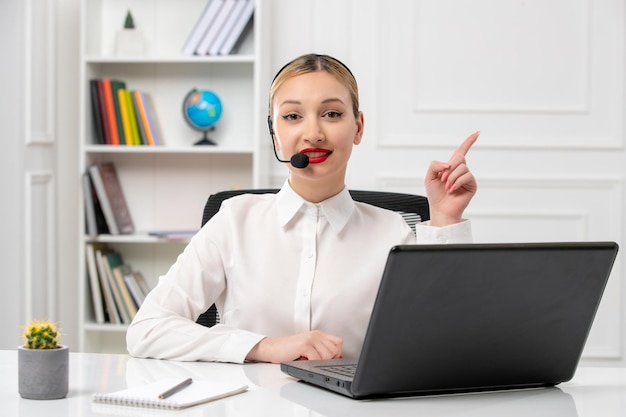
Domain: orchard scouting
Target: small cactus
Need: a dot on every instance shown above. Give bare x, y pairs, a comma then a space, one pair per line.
41, 334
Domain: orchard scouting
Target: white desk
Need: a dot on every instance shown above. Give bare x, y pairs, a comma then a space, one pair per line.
592, 392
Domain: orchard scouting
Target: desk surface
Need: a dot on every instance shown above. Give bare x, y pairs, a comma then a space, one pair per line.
592, 392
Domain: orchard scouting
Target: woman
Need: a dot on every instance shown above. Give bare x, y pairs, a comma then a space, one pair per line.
294, 274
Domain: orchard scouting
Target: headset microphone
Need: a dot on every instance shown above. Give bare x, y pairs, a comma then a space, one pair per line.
298, 160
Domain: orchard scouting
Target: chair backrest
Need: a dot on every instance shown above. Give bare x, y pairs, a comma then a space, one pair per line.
413, 208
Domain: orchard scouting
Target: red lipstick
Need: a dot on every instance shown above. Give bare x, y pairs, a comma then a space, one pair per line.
316, 155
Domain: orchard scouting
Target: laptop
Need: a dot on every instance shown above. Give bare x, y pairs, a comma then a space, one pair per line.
463, 318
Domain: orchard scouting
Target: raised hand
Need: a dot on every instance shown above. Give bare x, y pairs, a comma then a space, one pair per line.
450, 186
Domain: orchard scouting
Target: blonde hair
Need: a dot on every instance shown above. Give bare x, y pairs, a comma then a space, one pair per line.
305, 64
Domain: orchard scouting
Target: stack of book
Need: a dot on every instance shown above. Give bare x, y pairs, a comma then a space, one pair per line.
221, 27
121, 116
106, 210
116, 290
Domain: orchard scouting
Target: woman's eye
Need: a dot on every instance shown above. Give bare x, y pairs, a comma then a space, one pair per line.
290, 116
334, 114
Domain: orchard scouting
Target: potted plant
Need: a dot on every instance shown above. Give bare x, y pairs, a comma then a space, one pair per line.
43, 363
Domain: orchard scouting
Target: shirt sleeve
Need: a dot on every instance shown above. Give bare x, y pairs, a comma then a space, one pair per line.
455, 233
165, 327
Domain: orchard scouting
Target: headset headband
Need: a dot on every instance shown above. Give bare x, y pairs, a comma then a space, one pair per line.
317, 56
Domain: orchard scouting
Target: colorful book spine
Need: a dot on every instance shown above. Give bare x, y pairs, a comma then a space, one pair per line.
121, 116
134, 129
110, 110
140, 126
125, 116
153, 120
139, 97
117, 85
103, 113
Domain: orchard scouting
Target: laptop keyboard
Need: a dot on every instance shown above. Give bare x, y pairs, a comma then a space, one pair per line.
342, 370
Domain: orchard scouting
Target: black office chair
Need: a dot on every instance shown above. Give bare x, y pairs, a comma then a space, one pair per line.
413, 208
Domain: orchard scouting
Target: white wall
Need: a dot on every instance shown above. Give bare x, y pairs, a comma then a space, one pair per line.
38, 165
10, 168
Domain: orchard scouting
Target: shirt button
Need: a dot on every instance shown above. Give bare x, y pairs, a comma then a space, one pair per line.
441, 239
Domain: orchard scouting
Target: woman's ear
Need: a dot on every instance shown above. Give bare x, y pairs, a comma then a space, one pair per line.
360, 121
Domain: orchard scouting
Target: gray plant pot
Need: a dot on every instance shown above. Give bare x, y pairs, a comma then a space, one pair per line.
43, 374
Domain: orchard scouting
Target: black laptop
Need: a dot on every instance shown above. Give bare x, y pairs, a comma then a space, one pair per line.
473, 317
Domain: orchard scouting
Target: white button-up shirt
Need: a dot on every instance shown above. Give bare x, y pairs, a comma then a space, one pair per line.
275, 265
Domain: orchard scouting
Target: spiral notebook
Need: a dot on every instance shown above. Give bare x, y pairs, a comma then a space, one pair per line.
200, 391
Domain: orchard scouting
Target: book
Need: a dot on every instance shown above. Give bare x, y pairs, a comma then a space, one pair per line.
128, 303
151, 118
179, 235
111, 197
135, 289
111, 260
215, 27
117, 85
148, 118
94, 283
143, 138
105, 285
92, 205
199, 392
133, 118
143, 117
125, 116
110, 112
238, 8
201, 27
141, 281
95, 111
90, 210
103, 113
240, 28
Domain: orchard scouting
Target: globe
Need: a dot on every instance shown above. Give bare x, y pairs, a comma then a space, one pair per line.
202, 109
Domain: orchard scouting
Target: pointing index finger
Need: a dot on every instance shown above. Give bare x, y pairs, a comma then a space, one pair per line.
467, 144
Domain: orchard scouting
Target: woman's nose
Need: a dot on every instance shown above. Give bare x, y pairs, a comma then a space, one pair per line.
313, 131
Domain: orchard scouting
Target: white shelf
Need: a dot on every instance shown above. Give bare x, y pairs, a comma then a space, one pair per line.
166, 186
100, 328
173, 59
165, 150
136, 238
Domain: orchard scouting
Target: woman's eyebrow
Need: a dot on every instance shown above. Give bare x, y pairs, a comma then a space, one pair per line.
289, 102
332, 100
326, 101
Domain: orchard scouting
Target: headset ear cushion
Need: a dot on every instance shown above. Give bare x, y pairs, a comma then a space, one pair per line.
269, 125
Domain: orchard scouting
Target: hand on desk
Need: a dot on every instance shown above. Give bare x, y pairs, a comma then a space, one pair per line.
310, 345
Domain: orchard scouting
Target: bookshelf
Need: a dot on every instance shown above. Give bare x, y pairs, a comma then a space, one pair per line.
166, 186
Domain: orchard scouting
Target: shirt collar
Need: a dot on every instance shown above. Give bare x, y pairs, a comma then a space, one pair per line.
337, 209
